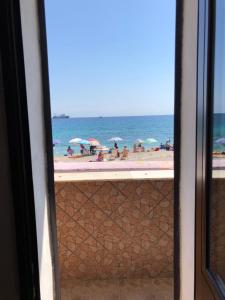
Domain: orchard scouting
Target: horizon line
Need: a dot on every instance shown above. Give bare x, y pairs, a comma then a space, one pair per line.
115, 116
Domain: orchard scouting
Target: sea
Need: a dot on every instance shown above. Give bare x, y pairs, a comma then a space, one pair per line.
129, 129
218, 129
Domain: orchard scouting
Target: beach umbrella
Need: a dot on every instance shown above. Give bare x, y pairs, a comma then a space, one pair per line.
151, 140
84, 142
93, 142
115, 139
221, 141
79, 141
75, 141
139, 141
56, 142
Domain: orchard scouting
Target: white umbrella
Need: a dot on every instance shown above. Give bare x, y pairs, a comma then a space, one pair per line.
139, 141
79, 141
75, 141
151, 140
115, 139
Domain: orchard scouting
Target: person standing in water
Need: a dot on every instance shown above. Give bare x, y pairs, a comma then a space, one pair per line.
69, 151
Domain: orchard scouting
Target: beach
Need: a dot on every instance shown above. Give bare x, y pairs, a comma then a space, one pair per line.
142, 161
129, 130
138, 156
154, 160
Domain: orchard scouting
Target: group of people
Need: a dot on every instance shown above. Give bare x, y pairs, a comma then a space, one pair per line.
83, 150
138, 148
114, 152
167, 146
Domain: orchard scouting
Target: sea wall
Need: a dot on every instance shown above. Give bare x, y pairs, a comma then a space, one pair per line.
115, 229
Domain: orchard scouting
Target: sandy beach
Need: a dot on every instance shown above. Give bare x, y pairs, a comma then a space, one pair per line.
153, 160
161, 155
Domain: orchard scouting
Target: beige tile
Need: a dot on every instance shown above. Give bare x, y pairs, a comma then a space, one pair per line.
108, 198
72, 235
70, 199
135, 289
88, 188
91, 290
146, 289
90, 217
120, 229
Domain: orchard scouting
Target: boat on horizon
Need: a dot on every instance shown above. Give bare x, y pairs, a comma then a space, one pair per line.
62, 116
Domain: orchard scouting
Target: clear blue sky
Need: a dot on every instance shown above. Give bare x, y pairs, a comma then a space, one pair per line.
111, 57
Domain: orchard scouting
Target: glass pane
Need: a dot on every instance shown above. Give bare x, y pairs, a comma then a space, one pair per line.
217, 191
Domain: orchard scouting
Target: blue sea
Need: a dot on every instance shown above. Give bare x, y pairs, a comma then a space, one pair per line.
104, 128
127, 128
218, 130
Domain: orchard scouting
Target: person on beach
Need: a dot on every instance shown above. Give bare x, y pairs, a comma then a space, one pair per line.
124, 154
100, 156
117, 149
92, 150
69, 151
82, 149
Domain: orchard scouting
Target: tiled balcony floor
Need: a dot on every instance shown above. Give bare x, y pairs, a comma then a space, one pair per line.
127, 289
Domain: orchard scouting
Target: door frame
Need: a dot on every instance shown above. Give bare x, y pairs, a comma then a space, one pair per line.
177, 141
20, 156
206, 285
18, 140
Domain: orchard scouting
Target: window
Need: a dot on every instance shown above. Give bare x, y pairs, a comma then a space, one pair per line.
112, 97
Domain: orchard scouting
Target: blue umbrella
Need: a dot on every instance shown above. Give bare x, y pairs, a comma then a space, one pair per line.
84, 142
221, 141
55, 142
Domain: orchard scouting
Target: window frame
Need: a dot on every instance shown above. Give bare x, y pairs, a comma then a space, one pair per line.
20, 156
205, 282
20, 167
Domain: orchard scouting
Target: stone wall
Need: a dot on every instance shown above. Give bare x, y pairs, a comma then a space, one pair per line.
118, 229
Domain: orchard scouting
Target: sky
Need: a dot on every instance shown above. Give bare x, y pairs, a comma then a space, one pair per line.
111, 57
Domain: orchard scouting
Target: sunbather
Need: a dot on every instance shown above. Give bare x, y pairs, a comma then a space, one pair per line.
113, 154
124, 153
100, 156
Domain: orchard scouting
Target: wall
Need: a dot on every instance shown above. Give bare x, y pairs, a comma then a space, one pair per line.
119, 229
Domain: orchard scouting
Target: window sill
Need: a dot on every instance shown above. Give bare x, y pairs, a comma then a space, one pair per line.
114, 175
